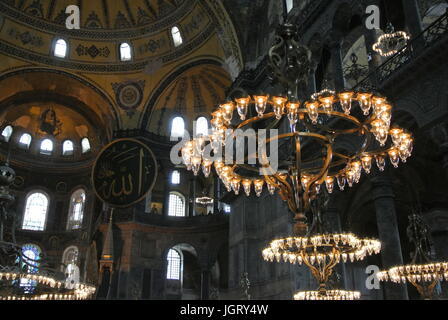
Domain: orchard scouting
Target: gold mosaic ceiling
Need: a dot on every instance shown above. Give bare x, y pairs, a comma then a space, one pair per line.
100, 14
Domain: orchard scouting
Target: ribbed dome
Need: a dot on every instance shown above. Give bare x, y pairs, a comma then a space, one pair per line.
105, 14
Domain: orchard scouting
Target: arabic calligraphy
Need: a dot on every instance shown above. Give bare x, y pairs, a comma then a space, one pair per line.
124, 172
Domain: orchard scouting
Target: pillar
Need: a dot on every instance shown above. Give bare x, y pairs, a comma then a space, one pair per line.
338, 70
391, 254
205, 284
166, 200
413, 22
334, 223
216, 194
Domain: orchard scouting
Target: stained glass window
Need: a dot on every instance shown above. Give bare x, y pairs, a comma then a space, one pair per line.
31, 254
36, 209
174, 265
76, 210
176, 206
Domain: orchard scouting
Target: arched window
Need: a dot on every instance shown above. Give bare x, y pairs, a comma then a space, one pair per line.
289, 5
31, 254
76, 210
85, 145
60, 48
125, 52
176, 207
7, 132
70, 265
177, 37
36, 209
177, 127
67, 148
201, 126
175, 177
25, 139
227, 208
46, 147
174, 269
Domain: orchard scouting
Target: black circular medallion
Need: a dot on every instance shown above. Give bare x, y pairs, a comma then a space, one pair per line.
124, 172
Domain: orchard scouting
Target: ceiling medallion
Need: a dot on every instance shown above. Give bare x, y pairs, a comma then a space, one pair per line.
391, 42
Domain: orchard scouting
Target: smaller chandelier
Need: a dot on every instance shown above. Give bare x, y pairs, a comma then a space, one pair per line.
416, 273
204, 201
321, 249
391, 42
422, 273
328, 295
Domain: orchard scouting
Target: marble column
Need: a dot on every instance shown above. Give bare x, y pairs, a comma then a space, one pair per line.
312, 87
334, 222
371, 37
166, 200
205, 284
338, 71
192, 197
216, 194
437, 221
413, 22
391, 254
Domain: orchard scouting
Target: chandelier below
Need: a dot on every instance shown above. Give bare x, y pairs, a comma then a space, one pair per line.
422, 273
328, 295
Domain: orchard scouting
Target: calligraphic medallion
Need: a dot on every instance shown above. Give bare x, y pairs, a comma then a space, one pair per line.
124, 172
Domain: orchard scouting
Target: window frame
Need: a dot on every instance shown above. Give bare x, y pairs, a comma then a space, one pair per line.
71, 209
197, 133
53, 48
172, 180
82, 146
183, 199
23, 145
72, 152
131, 52
172, 128
46, 152
169, 271
179, 31
8, 139
36, 191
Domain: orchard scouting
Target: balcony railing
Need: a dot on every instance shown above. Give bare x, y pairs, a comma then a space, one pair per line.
432, 35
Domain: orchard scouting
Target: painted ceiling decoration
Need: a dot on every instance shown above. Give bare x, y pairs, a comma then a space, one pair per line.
31, 26
108, 14
192, 93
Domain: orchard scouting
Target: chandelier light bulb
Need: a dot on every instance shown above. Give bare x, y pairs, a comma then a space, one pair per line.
329, 184
380, 162
293, 114
313, 113
242, 107
258, 183
365, 102
345, 99
279, 106
260, 104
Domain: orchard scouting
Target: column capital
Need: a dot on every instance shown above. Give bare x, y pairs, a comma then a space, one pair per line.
381, 186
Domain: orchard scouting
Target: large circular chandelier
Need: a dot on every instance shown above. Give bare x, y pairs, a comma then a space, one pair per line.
321, 253
322, 121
